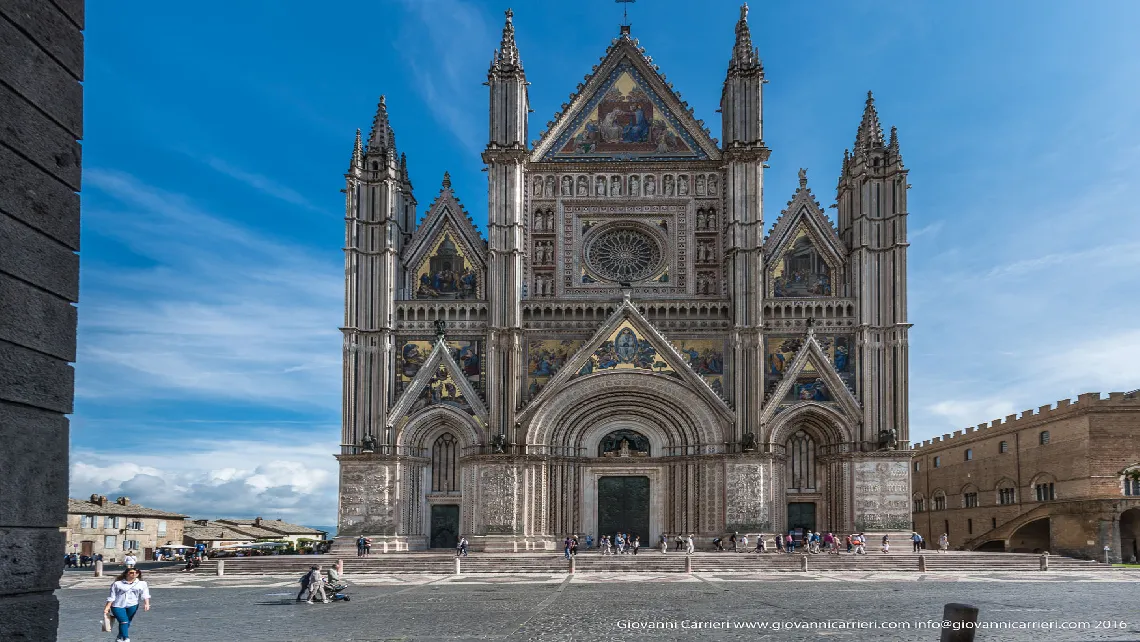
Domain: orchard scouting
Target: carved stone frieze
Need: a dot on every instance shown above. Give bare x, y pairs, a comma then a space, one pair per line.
882, 495
748, 498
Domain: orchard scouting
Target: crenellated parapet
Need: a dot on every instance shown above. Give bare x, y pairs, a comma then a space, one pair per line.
1086, 402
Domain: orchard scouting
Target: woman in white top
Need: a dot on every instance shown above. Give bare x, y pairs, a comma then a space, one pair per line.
944, 542
126, 593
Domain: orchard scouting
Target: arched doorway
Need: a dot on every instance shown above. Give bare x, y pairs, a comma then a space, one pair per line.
1031, 538
444, 525
811, 447
1130, 535
802, 482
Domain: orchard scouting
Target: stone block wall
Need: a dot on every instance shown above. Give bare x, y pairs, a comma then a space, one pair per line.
41, 121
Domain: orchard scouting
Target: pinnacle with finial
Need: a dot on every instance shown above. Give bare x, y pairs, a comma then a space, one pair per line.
507, 57
803, 178
744, 55
893, 146
870, 133
357, 152
381, 131
446, 180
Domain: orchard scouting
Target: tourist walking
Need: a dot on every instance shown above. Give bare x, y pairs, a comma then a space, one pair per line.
860, 544
789, 544
461, 547
664, 543
847, 540
636, 543
779, 543
744, 543
126, 592
314, 585
760, 543
944, 542
886, 544
735, 543
566, 547
367, 546
130, 560
689, 545
917, 540
680, 543
360, 546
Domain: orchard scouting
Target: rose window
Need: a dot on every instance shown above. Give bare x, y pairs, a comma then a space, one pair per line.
623, 255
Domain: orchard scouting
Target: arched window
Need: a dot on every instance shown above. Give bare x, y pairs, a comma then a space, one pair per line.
1044, 487
801, 461
1131, 480
919, 503
1007, 492
1043, 437
445, 464
938, 500
970, 496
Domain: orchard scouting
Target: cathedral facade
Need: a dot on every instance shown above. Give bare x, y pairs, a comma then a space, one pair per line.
627, 350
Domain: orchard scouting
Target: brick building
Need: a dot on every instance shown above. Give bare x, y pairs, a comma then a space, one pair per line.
1063, 479
96, 525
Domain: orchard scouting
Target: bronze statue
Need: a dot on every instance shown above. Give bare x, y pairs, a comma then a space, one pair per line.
368, 444
748, 443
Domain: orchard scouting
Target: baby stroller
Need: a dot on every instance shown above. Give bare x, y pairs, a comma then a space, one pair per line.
336, 591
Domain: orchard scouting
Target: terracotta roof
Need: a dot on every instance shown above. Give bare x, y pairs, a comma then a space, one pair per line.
215, 531
85, 507
276, 526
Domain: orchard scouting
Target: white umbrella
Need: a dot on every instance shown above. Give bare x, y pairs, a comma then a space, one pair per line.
178, 547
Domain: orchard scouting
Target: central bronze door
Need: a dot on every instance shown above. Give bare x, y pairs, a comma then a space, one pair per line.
623, 506
444, 525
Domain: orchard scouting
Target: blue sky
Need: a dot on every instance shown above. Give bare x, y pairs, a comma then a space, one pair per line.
217, 135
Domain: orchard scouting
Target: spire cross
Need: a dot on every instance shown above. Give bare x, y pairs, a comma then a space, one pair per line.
625, 15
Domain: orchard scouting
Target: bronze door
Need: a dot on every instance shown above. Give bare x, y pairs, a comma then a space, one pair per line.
801, 515
444, 525
623, 506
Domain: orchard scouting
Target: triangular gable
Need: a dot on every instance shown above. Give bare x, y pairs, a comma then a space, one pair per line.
428, 388
811, 354
446, 213
803, 237
628, 341
625, 111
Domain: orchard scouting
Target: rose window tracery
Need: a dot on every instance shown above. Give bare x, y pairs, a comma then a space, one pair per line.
624, 255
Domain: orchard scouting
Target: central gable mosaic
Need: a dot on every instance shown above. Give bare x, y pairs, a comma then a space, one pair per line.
626, 349
625, 120
446, 273
800, 270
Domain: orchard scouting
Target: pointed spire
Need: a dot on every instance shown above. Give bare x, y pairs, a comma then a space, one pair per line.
506, 58
357, 161
870, 133
446, 180
381, 137
744, 55
404, 168
893, 146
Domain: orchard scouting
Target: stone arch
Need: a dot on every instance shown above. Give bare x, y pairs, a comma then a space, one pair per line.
828, 424
1031, 537
424, 426
1002, 484
936, 495
1130, 535
678, 416
915, 500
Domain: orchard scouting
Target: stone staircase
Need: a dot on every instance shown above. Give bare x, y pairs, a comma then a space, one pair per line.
649, 561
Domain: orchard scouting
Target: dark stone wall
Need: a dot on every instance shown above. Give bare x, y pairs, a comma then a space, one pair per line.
41, 121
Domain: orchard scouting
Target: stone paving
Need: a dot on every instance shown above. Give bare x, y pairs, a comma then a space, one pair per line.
604, 606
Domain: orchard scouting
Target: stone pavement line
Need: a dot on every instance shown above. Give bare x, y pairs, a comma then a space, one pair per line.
541, 606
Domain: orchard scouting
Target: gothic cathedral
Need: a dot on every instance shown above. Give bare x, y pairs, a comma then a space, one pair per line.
627, 350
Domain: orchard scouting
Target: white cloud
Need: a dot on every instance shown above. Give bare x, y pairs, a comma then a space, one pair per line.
210, 479
261, 183
220, 311
448, 50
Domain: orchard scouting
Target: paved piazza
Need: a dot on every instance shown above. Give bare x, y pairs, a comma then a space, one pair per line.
602, 606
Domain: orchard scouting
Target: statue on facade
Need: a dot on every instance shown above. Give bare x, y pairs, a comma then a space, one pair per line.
748, 443
499, 445
888, 439
440, 329
368, 444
